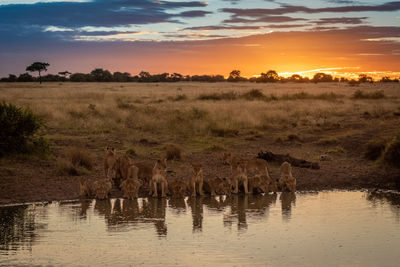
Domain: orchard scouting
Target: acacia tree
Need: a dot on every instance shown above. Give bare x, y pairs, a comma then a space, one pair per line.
38, 66
234, 76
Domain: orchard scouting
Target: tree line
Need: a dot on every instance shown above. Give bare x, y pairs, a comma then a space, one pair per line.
101, 75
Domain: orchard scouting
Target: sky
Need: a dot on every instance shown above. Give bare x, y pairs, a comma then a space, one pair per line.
340, 37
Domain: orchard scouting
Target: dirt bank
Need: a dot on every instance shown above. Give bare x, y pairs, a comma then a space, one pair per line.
23, 180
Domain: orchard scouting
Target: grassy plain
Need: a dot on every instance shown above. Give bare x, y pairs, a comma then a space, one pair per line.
305, 120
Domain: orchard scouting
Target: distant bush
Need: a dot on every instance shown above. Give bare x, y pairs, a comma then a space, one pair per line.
391, 154
180, 97
20, 131
364, 95
374, 149
254, 94
218, 96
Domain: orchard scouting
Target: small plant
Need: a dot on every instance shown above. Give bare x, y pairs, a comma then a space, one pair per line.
328, 141
254, 94
80, 157
179, 97
391, 154
374, 149
358, 94
131, 153
223, 132
218, 96
173, 151
21, 131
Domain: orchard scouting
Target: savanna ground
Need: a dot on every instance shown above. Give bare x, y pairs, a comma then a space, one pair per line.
305, 120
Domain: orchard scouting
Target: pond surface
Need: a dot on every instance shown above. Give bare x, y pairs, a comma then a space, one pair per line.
306, 229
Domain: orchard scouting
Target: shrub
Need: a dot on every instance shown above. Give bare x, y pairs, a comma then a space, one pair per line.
328, 141
21, 131
391, 154
254, 94
131, 153
80, 157
179, 97
374, 149
223, 132
173, 151
218, 96
358, 94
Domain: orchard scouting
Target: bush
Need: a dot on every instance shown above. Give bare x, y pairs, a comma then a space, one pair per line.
254, 94
80, 157
374, 149
374, 95
218, 96
173, 151
21, 131
391, 154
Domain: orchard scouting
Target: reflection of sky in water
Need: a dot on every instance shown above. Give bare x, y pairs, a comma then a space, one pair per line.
330, 228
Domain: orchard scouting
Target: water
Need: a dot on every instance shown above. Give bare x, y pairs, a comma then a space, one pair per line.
306, 229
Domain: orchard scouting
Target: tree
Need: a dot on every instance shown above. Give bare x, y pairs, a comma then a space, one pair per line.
38, 66
64, 74
270, 76
100, 75
121, 77
144, 76
322, 77
363, 78
234, 76
25, 77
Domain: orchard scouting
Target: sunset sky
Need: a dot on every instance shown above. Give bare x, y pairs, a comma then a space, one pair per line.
193, 37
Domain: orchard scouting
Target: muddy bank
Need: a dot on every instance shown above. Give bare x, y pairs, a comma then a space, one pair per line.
35, 180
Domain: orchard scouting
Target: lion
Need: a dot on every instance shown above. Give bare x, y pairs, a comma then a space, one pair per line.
217, 186
257, 183
197, 178
122, 165
130, 187
159, 175
260, 166
178, 188
109, 161
84, 189
239, 175
262, 183
145, 173
287, 181
102, 188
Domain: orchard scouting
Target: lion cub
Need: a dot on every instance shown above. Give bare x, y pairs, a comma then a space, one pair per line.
131, 185
197, 178
286, 181
109, 161
239, 175
84, 189
159, 175
102, 188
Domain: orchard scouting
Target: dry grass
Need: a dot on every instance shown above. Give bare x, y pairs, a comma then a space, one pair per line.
166, 112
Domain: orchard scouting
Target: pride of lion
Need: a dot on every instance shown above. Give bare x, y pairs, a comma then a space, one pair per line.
247, 175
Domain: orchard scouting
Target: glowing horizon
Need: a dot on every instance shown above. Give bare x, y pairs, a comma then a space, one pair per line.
341, 38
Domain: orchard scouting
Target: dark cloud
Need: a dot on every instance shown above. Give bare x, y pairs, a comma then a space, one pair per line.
341, 20
265, 19
285, 9
248, 27
194, 13
96, 13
